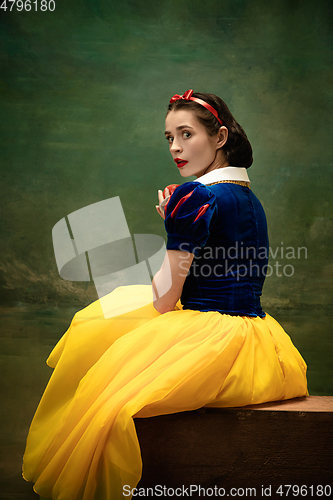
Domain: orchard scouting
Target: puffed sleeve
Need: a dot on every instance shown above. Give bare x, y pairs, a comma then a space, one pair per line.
188, 217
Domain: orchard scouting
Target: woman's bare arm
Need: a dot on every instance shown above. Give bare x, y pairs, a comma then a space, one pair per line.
169, 280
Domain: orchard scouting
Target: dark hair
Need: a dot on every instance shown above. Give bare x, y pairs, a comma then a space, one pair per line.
237, 149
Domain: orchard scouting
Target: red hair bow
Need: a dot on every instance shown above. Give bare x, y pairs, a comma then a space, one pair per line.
186, 96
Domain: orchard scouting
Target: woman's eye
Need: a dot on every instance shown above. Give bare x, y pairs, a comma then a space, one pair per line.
169, 139
186, 135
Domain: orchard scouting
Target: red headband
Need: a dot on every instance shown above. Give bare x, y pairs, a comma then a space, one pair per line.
187, 96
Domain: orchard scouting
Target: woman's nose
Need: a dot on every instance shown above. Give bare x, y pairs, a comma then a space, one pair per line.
175, 147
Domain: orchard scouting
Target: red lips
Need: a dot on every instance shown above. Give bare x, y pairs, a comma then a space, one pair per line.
180, 162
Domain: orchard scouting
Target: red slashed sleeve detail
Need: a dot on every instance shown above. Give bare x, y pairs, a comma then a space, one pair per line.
202, 210
189, 214
179, 204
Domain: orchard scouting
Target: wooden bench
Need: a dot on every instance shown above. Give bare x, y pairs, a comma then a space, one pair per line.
266, 447
242, 452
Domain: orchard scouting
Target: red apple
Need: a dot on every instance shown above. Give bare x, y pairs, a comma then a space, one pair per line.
171, 188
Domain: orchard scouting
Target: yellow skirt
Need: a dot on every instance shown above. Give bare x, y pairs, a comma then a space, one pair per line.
82, 443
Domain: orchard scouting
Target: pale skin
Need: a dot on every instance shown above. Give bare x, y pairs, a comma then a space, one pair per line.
189, 140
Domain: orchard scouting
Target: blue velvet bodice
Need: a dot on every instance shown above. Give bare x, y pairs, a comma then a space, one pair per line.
224, 226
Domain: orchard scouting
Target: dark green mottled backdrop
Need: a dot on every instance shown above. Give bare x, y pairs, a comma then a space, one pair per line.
83, 96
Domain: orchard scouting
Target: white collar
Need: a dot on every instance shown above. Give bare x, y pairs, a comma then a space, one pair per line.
224, 174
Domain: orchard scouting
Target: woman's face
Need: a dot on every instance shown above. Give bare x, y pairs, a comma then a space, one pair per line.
191, 147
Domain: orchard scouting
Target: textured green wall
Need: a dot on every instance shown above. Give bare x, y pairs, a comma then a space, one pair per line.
84, 91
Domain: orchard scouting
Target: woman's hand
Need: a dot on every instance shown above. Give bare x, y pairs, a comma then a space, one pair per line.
163, 195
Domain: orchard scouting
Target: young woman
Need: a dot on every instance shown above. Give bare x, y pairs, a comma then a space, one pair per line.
215, 346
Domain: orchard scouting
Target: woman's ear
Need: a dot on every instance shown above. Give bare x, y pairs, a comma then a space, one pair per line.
222, 137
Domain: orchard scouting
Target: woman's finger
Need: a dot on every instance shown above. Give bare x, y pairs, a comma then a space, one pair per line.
159, 211
160, 196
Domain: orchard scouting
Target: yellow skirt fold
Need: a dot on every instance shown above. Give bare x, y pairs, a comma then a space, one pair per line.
82, 444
